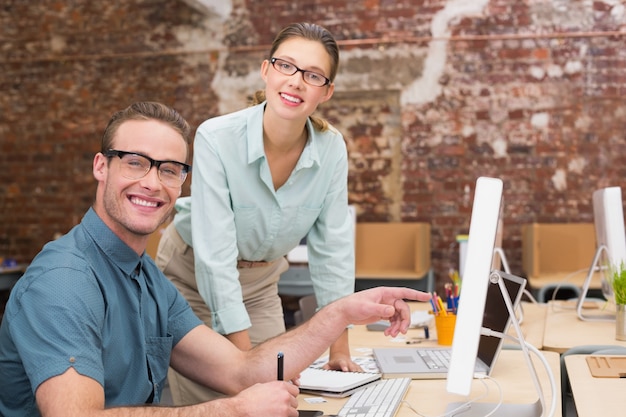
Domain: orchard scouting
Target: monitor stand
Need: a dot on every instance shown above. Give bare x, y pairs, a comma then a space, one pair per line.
585, 289
536, 409
505, 267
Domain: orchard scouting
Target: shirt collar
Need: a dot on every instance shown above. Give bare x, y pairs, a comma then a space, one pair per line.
310, 154
116, 250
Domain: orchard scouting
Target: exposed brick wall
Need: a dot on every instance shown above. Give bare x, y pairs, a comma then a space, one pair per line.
527, 91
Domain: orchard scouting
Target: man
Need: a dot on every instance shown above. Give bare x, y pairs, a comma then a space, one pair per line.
92, 326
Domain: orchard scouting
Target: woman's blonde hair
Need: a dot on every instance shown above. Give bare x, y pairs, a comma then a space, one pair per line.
311, 32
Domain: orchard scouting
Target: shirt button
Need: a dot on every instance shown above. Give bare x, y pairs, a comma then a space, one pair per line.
72, 359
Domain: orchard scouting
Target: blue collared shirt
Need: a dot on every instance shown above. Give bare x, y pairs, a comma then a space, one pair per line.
237, 214
89, 302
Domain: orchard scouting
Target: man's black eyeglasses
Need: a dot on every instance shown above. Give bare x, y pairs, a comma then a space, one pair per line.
309, 77
135, 166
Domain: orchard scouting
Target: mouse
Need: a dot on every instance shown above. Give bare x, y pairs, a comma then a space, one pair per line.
378, 326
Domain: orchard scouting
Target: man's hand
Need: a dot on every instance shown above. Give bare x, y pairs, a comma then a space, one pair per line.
303, 344
381, 303
276, 398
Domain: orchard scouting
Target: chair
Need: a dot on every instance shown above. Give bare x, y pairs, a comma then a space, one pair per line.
308, 306
553, 253
393, 254
561, 291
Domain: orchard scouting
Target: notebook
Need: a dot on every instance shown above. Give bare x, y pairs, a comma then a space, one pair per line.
334, 383
410, 361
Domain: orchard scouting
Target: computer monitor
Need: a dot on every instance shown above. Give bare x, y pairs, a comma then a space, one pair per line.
480, 249
471, 326
608, 219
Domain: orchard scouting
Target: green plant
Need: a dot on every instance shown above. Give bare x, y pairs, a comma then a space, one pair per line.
618, 283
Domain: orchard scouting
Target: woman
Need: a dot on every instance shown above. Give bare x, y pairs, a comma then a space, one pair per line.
264, 178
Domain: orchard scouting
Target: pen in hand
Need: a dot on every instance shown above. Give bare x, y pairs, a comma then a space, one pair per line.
280, 359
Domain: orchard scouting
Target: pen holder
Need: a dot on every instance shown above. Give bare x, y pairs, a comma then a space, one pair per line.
445, 328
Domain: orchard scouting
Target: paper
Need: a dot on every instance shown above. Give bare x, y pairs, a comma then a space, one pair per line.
367, 363
420, 318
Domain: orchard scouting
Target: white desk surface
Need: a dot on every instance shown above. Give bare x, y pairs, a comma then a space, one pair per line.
430, 396
594, 396
564, 330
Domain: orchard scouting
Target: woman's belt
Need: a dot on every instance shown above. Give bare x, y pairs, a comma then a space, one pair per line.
252, 264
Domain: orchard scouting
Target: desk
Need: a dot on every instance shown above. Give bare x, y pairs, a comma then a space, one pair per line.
565, 286
564, 330
430, 396
576, 278
594, 396
533, 323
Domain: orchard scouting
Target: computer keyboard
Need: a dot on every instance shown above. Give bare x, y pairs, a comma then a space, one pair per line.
380, 399
436, 358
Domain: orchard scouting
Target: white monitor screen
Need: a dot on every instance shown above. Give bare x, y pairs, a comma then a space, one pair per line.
608, 217
480, 248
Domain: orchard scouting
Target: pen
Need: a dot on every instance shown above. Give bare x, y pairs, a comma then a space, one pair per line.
280, 357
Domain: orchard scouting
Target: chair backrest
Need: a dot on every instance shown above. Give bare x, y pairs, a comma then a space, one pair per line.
549, 248
393, 246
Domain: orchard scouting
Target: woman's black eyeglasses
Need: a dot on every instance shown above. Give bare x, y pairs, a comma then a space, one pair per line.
309, 77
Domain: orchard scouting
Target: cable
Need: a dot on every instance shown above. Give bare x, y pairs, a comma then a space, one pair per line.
500, 393
489, 332
495, 277
570, 275
565, 280
530, 296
